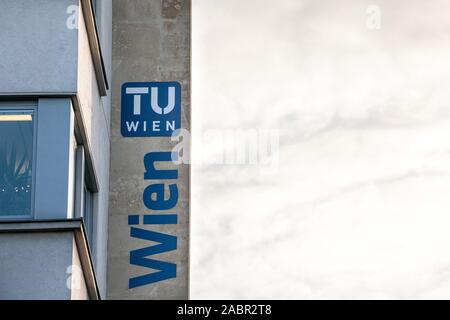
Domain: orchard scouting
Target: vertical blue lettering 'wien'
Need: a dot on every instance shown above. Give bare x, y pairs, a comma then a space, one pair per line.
154, 198
150, 109
139, 257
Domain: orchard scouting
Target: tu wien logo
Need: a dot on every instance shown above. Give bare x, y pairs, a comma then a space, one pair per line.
150, 109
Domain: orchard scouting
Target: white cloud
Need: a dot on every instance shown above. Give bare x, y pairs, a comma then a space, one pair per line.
358, 207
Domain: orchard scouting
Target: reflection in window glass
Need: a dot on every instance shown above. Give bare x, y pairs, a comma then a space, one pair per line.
89, 215
16, 159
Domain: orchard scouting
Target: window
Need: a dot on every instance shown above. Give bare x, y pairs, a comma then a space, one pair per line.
84, 197
95, 9
88, 215
16, 162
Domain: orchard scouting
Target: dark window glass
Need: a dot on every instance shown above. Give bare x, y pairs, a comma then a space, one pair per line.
16, 163
94, 6
89, 215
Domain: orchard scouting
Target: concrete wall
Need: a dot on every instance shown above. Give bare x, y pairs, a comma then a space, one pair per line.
151, 43
38, 52
27, 275
79, 289
55, 273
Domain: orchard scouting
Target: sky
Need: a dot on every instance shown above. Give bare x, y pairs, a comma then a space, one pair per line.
353, 201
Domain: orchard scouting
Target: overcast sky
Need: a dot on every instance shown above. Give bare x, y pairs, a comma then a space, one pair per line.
358, 204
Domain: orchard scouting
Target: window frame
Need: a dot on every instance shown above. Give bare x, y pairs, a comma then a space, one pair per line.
84, 196
14, 107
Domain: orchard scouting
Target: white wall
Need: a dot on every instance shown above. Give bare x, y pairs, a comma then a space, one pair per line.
96, 116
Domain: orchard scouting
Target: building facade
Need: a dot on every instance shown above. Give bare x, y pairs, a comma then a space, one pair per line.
148, 245
58, 94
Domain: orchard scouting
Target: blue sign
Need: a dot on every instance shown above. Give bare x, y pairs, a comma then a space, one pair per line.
150, 109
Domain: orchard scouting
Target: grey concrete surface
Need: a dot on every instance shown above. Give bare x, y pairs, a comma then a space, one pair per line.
79, 290
38, 52
151, 42
27, 275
